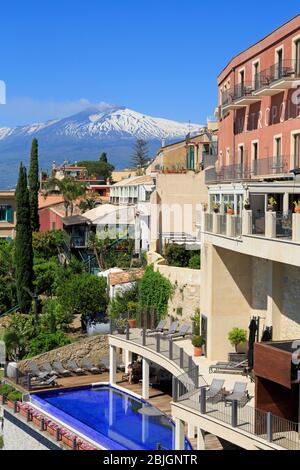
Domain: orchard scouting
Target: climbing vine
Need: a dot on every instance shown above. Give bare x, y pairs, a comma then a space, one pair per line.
155, 292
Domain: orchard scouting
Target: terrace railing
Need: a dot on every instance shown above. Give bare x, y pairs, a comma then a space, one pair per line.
270, 166
241, 416
284, 225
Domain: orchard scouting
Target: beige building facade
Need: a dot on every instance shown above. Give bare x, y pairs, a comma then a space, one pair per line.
7, 214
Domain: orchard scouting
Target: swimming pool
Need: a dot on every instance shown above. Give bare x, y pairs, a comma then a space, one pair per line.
113, 419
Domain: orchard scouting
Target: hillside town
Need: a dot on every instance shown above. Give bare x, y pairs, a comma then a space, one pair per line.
163, 298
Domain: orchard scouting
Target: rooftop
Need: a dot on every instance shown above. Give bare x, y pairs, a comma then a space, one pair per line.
125, 277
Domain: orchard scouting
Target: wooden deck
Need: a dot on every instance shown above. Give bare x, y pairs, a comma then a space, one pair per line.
158, 398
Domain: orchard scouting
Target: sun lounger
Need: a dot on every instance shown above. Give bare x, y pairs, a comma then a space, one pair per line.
239, 394
88, 366
59, 368
182, 333
228, 367
159, 329
172, 329
73, 367
35, 372
50, 382
47, 367
214, 392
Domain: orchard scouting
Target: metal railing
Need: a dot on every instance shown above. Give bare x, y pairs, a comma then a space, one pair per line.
238, 415
284, 225
271, 166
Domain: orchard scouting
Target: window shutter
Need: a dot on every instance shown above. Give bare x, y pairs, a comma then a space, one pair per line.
9, 214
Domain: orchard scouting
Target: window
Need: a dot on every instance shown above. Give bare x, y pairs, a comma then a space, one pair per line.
279, 63
296, 150
241, 161
255, 157
277, 147
241, 83
191, 158
6, 213
227, 157
255, 76
297, 57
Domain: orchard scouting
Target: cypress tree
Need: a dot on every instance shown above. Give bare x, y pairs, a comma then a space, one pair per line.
23, 244
33, 181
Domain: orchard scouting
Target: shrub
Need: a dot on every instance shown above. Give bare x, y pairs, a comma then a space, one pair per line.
14, 396
237, 336
55, 317
45, 342
197, 319
123, 302
177, 255
85, 294
5, 389
195, 262
155, 292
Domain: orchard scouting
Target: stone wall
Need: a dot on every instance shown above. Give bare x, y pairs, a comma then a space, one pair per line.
96, 347
290, 307
186, 298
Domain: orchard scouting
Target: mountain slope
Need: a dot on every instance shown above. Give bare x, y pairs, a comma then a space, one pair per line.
84, 136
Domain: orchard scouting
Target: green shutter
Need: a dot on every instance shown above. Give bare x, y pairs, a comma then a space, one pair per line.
9, 214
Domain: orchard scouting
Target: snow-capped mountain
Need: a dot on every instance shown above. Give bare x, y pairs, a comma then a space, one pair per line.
84, 136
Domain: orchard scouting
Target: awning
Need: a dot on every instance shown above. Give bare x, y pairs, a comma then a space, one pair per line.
75, 220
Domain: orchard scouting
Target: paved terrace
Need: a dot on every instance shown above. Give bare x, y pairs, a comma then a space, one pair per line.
241, 424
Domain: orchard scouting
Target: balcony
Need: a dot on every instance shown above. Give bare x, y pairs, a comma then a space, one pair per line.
263, 168
271, 166
278, 78
238, 97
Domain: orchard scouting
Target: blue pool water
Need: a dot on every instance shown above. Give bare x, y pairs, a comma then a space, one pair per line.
109, 417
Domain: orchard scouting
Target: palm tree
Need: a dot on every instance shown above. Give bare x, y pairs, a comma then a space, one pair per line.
69, 188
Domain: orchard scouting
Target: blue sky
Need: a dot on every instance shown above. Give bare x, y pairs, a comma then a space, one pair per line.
160, 57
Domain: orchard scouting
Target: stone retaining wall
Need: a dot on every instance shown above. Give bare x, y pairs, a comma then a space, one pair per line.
96, 347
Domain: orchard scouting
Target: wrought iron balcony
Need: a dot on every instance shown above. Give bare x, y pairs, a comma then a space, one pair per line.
278, 78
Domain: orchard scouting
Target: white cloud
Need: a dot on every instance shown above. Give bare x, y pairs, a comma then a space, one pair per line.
22, 110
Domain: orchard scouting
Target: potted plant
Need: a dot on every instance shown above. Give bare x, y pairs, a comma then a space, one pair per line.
205, 207
297, 207
247, 205
198, 343
238, 338
216, 207
132, 306
229, 208
272, 203
120, 325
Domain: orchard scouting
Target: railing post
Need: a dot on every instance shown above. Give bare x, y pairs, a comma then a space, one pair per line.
57, 435
174, 389
42, 427
181, 358
196, 380
270, 224
5, 369
191, 366
170, 349
144, 337
234, 414
111, 327
28, 416
17, 376
158, 343
29, 382
127, 331
203, 401
269, 418
247, 222
15, 407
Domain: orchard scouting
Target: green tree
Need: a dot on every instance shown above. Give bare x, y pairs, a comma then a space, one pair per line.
85, 294
103, 157
155, 291
45, 342
98, 169
46, 244
92, 200
70, 190
23, 244
33, 181
123, 302
20, 331
140, 155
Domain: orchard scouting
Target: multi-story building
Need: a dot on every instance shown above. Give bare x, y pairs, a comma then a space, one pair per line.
7, 214
136, 192
180, 188
251, 259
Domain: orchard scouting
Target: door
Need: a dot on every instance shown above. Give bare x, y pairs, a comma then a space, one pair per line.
296, 150
204, 331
